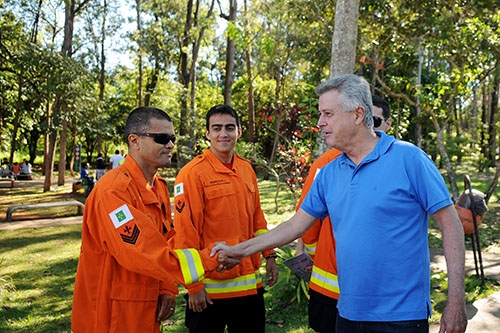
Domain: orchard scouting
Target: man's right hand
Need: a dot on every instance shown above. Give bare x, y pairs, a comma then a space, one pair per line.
225, 261
199, 301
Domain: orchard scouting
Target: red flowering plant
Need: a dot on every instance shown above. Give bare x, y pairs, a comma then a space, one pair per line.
289, 135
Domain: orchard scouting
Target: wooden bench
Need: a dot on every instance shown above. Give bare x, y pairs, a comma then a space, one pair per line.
42, 205
11, 180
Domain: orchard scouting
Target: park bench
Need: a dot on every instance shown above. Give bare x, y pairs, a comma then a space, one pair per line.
43, 205
11, 181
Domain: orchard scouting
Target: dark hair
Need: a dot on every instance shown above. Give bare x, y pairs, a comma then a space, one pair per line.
383, 104
221, 109
140, 118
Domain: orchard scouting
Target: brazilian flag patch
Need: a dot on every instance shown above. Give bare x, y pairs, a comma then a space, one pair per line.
120, 216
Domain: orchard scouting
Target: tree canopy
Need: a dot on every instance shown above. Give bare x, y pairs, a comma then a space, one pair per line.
62, 83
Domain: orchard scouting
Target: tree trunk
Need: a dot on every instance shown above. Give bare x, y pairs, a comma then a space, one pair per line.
139, 53
418, 125
251, 104
49, 163
444, 155
102, 78
187, 77
228, 82
484, 121
345, 37
184, 71
492, 132
13, 146
62, 149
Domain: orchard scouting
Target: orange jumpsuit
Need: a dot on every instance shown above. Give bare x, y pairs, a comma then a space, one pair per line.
216, 204
126, 258
319, 241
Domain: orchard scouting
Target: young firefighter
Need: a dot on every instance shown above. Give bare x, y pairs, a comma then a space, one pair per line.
217, 199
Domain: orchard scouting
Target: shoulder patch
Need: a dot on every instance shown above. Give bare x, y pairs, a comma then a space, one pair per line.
120, 216
179, 189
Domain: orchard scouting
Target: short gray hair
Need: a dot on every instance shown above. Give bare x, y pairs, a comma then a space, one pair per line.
353, 90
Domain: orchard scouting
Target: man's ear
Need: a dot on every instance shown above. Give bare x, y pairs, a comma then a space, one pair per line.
360, 115
133, 141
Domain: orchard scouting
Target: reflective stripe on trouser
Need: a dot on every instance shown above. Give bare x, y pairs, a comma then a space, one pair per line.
191, 266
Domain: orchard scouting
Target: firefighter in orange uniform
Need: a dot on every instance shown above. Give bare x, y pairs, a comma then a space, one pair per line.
128, 273
319, 243
217, 199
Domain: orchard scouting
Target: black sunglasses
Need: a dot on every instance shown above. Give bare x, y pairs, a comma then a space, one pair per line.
160, 138
377, 121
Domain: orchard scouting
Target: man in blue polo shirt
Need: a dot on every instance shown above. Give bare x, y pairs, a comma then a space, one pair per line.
378, 195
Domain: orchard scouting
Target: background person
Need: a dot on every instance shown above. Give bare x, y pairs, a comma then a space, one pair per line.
378, 195
6, 170
84, 173
16, 169
217, 198
100, 166
115, 159
127, 273
381, 114
26, 167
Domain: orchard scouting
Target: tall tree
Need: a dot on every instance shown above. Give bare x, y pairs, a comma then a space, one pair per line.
345, 37
190, 44
72, 8
139, 52
229, 75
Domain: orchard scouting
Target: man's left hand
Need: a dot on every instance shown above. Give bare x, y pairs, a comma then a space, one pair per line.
454, 319
166, 307
271, 272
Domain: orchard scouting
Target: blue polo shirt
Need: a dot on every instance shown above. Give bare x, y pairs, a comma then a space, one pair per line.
379, 215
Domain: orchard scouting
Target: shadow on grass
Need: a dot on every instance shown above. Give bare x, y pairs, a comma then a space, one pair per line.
16, 239
40, 265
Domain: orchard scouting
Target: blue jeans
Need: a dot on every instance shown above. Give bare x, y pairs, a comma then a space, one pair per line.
410, 326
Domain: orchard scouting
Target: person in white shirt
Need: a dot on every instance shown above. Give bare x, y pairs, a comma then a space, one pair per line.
115, 159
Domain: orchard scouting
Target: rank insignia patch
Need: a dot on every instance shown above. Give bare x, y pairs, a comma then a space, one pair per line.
130, 235
120, 216
179, 206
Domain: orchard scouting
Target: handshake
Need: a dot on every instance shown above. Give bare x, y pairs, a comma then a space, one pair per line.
227, 256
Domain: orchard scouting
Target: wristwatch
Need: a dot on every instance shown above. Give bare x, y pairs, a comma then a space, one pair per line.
272, 255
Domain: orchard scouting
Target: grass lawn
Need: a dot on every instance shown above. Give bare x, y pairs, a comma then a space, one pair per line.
37, 269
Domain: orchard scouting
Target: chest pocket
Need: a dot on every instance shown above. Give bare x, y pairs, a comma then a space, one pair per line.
220, 201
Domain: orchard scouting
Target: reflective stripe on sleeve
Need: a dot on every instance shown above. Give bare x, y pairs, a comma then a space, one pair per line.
191, 266
311, 248
260, 232
325, 279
